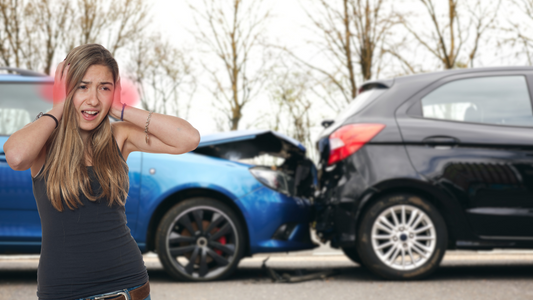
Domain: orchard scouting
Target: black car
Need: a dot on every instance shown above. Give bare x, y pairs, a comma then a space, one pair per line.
420, 164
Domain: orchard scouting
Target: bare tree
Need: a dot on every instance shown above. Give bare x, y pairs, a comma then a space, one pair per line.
131, 18
113, 24
53, 19
32, 32
352, 38
123, 22
521, 30
234, 34
455, 38
289, 92
290, 97
163, 75
93, 17
17, 36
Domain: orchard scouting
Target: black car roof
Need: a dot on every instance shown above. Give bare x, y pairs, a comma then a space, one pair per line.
404, 87
444, 73
435, 75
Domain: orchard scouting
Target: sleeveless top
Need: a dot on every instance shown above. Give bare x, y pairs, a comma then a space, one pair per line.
85, 251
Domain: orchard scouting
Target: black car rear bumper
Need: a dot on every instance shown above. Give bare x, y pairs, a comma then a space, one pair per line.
347, 187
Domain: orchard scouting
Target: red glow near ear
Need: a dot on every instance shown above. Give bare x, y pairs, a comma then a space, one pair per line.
47, 92
129, 94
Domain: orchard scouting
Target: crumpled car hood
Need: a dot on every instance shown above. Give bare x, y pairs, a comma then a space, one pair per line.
243, 144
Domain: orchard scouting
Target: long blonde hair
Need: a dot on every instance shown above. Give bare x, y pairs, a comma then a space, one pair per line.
65, 168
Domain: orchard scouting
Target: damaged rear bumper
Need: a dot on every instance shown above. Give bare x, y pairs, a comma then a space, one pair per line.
337, 206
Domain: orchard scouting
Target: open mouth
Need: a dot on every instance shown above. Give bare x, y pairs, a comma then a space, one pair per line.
90, 114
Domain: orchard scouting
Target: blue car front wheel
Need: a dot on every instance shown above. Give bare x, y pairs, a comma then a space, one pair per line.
200, 239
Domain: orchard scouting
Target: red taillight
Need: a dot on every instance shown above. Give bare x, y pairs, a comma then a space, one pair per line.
349, 138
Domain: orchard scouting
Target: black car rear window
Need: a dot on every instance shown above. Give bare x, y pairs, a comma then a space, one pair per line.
360, 102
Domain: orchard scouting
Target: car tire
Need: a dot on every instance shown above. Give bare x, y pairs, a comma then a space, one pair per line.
200, 239
402, 236
352, 254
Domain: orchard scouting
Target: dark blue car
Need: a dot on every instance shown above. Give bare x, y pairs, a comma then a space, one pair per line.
201, 211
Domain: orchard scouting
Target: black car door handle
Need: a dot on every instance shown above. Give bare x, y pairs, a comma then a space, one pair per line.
440, 140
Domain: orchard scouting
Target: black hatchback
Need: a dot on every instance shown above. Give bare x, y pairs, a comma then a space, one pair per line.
420, 164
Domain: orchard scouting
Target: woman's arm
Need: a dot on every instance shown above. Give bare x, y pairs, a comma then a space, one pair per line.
24, 146
167, 134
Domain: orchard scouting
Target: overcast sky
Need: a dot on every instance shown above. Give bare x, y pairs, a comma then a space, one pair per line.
287, 27
175, 20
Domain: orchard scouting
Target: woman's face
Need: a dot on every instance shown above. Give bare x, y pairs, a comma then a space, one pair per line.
93, 97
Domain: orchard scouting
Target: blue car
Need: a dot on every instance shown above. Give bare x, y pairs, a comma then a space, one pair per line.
201, 211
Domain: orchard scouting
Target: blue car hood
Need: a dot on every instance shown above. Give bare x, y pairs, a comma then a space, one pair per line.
244, 144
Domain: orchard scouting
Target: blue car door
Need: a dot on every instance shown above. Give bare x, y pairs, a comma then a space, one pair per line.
20, 226
132, 203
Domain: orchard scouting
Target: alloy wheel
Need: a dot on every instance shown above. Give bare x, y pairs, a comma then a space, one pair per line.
403, 237
202, 242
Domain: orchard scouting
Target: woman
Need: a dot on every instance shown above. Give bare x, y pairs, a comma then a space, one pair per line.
80, 178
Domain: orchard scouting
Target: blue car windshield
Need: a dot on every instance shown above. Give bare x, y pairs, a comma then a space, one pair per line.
20, 103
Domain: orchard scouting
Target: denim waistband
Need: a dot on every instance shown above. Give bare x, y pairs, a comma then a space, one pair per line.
126, 291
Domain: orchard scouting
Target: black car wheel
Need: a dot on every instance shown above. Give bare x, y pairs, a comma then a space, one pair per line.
402, 237
200, 239
352, 254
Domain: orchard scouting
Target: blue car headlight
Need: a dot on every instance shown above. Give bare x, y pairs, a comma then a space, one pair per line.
273, 179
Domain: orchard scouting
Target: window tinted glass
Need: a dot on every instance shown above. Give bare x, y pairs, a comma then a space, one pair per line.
500, 100
360, 102
19, 105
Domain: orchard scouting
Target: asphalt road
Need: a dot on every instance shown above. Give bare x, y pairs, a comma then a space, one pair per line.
463, 275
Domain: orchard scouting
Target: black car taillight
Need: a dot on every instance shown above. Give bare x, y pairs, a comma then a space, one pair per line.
346, 140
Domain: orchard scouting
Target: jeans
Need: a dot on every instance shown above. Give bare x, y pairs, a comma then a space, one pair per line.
127, 291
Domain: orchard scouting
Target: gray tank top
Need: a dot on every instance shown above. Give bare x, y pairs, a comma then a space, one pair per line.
86, 251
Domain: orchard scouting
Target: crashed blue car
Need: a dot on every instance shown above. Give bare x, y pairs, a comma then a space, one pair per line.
201, 212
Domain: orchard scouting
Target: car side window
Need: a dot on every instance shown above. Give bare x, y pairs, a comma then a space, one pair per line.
19, 105
502, 100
